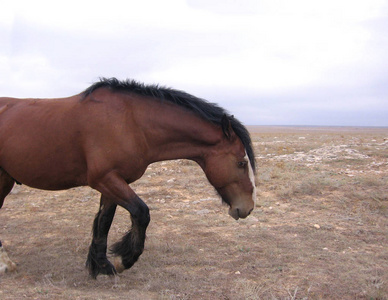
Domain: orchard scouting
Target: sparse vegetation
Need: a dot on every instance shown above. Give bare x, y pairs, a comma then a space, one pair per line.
320, 229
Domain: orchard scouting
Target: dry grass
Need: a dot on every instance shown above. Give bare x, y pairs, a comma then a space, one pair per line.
320, 230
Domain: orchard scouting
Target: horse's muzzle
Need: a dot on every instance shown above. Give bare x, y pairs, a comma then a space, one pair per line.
237, 213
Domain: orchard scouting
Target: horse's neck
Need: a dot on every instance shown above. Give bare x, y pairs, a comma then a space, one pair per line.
177, 134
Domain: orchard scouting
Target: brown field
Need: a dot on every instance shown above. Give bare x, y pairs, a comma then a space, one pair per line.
319, 231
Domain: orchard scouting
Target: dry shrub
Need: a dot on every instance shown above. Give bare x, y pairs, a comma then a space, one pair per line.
316, 185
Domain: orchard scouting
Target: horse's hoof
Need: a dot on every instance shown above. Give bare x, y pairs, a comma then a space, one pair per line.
6, 265
108, 269
118, 264
104, 268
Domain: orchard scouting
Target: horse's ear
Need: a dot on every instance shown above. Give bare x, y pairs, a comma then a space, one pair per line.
226, 126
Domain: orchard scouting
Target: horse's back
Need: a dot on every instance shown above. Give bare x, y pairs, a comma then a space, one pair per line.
7, 100
38, 142
6, 103
25, 115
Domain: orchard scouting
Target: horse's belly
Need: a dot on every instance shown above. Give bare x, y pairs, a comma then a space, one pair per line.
44, 168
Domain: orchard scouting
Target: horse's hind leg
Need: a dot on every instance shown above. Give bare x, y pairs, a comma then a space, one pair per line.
97, 261
6, 184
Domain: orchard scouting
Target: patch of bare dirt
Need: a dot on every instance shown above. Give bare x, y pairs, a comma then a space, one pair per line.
319, 231
323, 154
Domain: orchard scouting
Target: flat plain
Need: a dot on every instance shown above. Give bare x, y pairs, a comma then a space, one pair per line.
319, 229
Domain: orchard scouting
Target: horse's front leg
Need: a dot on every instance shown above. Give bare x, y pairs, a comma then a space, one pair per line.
97, 262
131, 246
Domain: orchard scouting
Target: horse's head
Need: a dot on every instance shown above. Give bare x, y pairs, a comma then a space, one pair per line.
231, 172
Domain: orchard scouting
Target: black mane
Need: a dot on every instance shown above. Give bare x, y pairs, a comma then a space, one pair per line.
209, 111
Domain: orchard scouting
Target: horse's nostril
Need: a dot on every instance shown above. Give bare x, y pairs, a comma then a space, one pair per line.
250, 211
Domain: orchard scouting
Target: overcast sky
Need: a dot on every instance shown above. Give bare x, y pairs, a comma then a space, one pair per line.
269, 62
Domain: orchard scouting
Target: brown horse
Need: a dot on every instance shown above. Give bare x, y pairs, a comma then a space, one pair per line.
106, 137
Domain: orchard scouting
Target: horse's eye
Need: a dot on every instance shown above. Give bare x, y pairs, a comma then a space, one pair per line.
242, 164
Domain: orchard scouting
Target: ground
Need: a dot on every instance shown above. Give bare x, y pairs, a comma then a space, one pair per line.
319, 230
